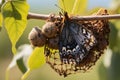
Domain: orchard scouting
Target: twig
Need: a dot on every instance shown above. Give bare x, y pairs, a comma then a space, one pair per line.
80, 18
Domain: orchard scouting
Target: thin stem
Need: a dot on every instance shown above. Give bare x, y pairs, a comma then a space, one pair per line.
98, 17
78, 18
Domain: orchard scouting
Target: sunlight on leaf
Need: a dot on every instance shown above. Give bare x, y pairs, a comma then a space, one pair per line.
79, 7
36, 60
74, 7
66, 5
15, 19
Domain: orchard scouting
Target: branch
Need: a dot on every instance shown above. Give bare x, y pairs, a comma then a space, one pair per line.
78, 18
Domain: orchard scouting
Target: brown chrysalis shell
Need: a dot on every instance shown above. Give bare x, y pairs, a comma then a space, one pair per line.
36, 37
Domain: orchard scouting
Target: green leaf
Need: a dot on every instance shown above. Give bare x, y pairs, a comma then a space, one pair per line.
15, 19
21, 65
36, 59
75, 7
66, 5
79, 7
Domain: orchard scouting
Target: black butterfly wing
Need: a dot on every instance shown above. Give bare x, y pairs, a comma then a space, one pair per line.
84, 38
75, 42
66, 43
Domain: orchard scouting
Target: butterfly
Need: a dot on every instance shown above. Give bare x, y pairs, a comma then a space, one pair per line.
75, 41
81, 44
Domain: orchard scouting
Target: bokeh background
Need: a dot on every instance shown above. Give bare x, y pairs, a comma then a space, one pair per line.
106, 68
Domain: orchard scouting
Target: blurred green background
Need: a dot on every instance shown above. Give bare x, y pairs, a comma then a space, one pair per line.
106, 68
